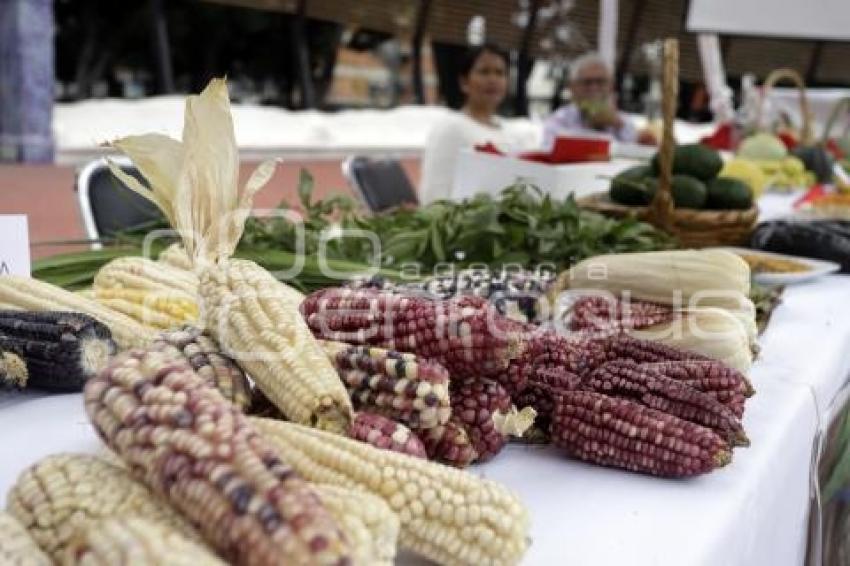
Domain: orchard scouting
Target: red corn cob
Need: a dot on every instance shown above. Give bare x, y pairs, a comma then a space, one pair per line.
726, 384
627, 379
596, 313
386, 434
485, 411
449, 444
398, 385
623, 434
539, 394
188, 443
466, 335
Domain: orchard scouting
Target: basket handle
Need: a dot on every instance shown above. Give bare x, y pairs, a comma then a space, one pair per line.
843, 104
661, 208
774, 77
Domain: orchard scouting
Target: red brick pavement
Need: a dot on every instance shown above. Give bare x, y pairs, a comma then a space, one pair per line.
46, 194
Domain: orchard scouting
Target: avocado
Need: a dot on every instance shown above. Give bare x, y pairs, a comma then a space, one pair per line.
694, 159
687, 191
817, 160
628, 188
728, 193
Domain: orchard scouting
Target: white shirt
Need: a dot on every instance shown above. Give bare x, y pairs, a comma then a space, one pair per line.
568, 119
448, 136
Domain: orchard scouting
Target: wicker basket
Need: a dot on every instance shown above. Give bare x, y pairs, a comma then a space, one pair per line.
805, 135
692, 227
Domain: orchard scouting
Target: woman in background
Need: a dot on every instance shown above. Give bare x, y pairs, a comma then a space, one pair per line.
484, 83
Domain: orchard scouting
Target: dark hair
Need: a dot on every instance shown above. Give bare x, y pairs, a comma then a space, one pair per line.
473, 53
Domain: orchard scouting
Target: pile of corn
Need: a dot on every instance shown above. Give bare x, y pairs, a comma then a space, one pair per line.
247, 424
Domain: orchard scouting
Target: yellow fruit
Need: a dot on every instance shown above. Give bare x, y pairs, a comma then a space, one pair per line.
746, 171
793, 165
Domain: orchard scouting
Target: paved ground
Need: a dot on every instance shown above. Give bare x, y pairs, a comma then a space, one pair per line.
46, 193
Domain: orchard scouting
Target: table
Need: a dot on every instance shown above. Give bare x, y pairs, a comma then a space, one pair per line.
752, 512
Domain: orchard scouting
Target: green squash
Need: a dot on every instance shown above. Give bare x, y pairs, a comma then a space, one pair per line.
687, 191
628, 187
817, 160
728, 193
695, 160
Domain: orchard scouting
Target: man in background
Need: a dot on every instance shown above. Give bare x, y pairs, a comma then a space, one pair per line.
593, 107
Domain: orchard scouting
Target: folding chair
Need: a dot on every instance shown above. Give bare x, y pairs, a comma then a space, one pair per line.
380, 183
107, 206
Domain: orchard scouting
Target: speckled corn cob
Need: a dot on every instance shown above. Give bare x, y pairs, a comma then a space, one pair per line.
449, 444
486, 412
144, 274
189, 444
256, 321
206, 358
624, 434
34, 295
138, 542
596, 313
367, 520
726, 384
64, 494
466, 335
399, 385
651, 388
159, 309
386, 434
446, 515
17, 548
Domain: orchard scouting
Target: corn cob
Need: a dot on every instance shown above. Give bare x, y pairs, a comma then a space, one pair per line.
651, 388
466, 335
714, 378
64, 494
514, 293
367, 520
449, 444
143, 274
716, 277
485, 411
152, 308
175, 255
17, 548
205, 357
399, 385
136, 541
386, 434
539, 394
190, 445
595, 313
253, 317
624, 434
446, 515
55, 351
32, 294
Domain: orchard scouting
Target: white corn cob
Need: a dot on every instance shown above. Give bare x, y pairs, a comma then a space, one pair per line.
64, 494
712, 332
141, 273
132, 541
447, 515
366, 519
24, 293
256, 322
664, 277
175, 256
17, 548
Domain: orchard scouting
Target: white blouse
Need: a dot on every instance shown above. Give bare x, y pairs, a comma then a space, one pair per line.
448, 136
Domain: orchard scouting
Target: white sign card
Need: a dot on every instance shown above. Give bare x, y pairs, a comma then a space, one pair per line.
14, 245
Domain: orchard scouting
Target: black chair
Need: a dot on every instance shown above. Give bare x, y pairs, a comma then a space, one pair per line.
107, 205
382, 184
